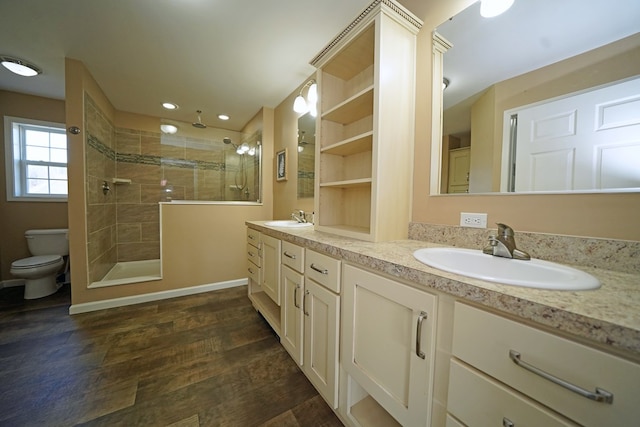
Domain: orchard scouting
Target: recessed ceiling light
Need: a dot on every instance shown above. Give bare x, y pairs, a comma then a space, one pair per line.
223, 117
170, 106
20, 67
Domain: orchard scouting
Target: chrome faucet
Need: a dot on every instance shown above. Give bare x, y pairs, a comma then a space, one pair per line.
299, 216
504, 244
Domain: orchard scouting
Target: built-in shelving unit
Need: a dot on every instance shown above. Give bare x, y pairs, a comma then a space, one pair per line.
365, 126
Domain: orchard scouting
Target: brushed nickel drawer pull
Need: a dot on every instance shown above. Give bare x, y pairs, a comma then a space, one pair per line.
319, 269
600, 395
295, 296
419, 351
506, 422
251, 237
288, 255
250, 270
251, 254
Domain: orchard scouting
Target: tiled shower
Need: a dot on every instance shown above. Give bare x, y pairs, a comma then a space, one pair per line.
129, 171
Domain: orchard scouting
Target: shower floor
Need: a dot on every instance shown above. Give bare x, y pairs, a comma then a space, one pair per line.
131, 272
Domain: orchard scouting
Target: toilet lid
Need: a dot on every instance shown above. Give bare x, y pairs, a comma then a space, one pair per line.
36, 261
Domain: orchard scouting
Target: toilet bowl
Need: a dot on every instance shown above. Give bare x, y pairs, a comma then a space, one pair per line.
39, 271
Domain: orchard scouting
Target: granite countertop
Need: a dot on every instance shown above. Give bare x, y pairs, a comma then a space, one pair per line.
609, 316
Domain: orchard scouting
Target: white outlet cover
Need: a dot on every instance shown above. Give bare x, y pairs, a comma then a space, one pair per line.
473, 220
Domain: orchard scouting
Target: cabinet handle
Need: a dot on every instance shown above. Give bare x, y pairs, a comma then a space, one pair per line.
600, 395
251, 237
288, 255
251, 254
295, 296
419, 352
304, 303
250, 270
319, 269
506, 422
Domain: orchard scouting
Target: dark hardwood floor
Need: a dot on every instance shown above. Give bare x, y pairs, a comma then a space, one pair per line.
201, 360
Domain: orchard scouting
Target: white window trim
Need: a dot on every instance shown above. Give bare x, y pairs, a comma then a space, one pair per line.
9, 160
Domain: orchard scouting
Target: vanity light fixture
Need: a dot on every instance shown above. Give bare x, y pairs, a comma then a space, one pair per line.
223, 117
302, 105
170, 106
491, 8
19, 66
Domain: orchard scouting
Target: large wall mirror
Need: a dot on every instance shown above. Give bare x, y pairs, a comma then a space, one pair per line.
306, 155
510, 121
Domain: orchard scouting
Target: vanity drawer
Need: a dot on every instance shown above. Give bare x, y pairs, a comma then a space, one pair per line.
253, 237
293, 256
323, 269
253, 254
253, 272
476, 400
486, 341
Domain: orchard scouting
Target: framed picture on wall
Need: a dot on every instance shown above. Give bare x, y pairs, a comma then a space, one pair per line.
281, 165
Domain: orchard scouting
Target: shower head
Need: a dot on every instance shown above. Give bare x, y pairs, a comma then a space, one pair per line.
199, 123
226, 140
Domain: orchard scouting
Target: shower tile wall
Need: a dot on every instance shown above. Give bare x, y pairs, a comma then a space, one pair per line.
138, 215
101, 208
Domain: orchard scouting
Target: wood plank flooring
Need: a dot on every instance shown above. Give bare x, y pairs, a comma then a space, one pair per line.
201, 360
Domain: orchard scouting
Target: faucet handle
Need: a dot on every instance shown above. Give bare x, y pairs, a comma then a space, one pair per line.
505, 230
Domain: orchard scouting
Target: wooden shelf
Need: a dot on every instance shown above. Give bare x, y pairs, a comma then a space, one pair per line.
269, 310
352, 183
357, 144
353, 109
355, 57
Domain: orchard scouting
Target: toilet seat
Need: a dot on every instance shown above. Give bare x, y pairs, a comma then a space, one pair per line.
35, 261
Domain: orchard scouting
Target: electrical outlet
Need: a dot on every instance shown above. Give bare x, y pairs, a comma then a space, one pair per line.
475, 220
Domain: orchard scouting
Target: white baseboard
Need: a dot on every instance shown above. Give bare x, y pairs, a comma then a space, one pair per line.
155, 296
10, 283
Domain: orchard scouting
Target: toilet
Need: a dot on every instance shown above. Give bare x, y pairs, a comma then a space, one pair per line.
39, 272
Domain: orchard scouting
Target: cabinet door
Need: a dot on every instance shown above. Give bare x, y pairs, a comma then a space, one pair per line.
291, 315
388, 343
271, 267
322, 310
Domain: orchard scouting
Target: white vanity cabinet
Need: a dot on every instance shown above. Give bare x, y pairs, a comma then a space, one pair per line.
291, 314
270, 251
503, 369
263, 268
388, 350
321, 310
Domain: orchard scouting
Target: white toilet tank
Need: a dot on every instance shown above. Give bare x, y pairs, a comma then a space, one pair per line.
48, 242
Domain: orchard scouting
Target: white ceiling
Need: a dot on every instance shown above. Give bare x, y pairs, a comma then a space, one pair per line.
218, 56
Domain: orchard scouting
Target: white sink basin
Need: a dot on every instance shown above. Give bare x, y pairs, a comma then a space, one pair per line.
533, 274
288, 223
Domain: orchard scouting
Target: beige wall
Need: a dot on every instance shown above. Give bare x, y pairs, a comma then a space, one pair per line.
604, 215
17, 217
201, 243
285, 196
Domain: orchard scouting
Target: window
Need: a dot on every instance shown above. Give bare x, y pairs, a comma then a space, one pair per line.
36, 160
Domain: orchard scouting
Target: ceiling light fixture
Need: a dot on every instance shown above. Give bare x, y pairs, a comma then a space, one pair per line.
302, 105
19, 66
491, 8
170, 106
223, 117
168, 129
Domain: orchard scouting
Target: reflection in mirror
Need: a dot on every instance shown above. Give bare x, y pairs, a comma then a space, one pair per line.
209, 164
529, 64
306, 155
